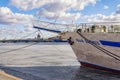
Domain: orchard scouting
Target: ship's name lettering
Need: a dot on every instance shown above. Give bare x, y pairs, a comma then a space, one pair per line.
88, 41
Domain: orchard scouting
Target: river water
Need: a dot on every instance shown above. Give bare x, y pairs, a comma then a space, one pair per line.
46, 61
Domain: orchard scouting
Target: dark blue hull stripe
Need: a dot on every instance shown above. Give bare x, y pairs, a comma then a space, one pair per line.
98, 67
110, 43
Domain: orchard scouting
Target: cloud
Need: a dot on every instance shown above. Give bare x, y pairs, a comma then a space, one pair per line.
28, 27
11, 20
113, 17
53, 9
105, 7
31, 4
60, 15
118, 9
28, 4
10, 32
102, 18
8, 17
59, 9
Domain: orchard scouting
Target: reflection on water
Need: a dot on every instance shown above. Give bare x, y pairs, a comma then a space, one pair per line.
59, 73
85, 73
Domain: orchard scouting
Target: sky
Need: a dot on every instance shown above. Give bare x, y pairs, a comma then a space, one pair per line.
18, 16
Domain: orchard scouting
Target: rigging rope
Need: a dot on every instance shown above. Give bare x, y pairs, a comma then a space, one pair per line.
102, 49
19, 48
28, 35
22, 37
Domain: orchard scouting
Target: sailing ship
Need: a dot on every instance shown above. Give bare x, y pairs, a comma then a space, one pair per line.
96, 45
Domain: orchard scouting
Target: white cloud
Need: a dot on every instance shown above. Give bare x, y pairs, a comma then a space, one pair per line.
105, 7
8, 17
118, 9
28, 4
31, 4
118, 6
113, 17
60, 9
10, 32
52, 9
28, 27
102, 18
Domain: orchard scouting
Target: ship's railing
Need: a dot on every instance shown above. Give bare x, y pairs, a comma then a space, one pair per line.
44, 25
98, 28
